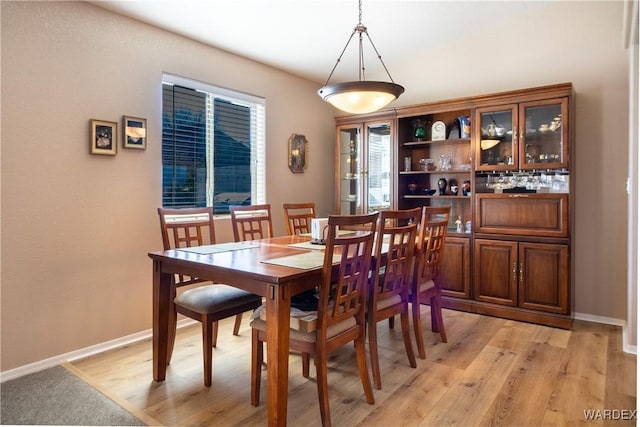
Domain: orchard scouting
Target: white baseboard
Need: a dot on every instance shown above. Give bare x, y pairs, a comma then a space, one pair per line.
626, 347
82, 353
599, 319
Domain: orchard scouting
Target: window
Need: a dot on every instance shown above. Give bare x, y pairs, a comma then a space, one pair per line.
213, 146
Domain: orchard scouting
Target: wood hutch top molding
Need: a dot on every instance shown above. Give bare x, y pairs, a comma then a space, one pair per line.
529, 94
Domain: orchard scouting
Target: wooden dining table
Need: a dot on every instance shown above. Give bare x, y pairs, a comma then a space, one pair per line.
253, 266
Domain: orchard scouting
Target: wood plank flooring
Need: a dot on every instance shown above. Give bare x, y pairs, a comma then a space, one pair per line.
491, 372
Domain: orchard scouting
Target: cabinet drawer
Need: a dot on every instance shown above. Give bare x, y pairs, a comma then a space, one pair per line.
523, 214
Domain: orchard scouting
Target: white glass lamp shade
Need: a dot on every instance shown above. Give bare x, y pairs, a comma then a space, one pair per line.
360, 97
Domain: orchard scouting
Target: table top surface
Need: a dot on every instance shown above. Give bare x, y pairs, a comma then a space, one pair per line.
249, 261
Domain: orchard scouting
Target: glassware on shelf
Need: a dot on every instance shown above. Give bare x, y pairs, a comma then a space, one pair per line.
445, 162
428, 164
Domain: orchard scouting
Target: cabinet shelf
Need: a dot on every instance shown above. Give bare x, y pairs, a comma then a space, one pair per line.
418, 144
435, 196
436, 172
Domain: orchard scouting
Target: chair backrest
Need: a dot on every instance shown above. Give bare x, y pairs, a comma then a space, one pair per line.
186, 227
394, 253
251, 222
343, 296
298, 216
431, 239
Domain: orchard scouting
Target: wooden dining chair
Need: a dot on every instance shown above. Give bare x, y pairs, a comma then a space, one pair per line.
251, 222
298, 216
207, 303
341, 310
389, 293
426, 286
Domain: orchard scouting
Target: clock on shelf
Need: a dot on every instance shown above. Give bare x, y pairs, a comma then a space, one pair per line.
438, 131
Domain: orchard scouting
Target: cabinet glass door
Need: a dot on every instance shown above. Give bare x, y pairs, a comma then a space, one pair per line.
496, 147
543, 135
378, 168
350, 146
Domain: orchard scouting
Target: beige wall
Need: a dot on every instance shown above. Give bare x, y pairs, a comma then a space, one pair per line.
76, 228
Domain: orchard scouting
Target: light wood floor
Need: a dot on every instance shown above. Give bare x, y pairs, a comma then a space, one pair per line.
492, 372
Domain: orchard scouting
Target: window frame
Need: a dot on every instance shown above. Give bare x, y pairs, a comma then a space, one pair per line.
257, 107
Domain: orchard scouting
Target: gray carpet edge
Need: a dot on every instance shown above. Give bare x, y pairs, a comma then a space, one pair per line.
56, 396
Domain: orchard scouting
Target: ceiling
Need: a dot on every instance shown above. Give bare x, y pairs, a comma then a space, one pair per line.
306, 37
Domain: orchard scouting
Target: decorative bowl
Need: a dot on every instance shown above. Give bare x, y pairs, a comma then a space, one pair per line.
429, 192
428, 164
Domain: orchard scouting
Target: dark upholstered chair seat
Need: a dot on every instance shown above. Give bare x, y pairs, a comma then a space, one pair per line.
212, 299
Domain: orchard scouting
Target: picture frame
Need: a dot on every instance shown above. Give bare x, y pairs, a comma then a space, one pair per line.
134, 133
298, 153
104, 137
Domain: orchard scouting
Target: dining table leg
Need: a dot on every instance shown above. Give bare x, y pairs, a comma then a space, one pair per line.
278, 304
162, 308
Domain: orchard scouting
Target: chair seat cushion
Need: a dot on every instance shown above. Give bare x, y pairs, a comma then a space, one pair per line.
429, 284
388, 302
215, 298
309, 336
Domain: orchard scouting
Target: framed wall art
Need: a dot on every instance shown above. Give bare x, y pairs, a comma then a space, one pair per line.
135, 132
298, 153
104, 137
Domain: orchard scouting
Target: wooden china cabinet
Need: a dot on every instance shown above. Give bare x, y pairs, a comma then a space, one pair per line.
364, 153
523, 204
433, 169
503, 163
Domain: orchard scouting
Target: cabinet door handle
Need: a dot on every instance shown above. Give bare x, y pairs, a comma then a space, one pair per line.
521, 272
515, 272
518, 195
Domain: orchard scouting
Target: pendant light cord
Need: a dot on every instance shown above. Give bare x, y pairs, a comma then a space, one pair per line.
360, 28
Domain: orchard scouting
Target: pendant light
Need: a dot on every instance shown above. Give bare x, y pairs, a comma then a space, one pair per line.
362, 96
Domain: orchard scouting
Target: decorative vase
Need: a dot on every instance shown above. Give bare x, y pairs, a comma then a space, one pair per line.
465, 126
466, 187
442, 186
419, 131
412, 188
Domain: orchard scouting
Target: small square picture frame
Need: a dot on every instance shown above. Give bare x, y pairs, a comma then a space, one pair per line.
134, 133
104, 137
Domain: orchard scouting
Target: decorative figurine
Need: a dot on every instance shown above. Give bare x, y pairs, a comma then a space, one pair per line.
459, 224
